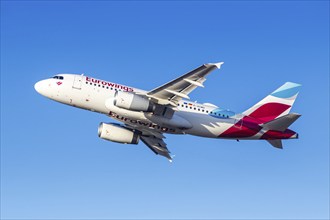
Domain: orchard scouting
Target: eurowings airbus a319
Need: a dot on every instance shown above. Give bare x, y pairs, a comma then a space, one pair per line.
148, 115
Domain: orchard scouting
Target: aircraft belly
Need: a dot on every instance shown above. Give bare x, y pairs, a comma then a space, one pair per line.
211, 129
203, 125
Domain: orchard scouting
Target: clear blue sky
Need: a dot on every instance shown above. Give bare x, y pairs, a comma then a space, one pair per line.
53, 165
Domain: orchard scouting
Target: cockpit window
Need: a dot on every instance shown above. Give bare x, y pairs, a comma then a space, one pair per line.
58, 77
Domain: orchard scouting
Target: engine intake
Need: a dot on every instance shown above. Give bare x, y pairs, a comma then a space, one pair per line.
133, 102
118, 133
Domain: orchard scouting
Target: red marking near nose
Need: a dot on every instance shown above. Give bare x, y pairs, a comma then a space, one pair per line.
59, 83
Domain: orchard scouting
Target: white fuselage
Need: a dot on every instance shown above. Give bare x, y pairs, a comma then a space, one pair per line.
98, 96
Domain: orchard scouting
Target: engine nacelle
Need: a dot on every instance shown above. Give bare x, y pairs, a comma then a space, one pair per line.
117, 133
133, 102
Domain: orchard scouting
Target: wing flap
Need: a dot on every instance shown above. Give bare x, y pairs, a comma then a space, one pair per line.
157, 145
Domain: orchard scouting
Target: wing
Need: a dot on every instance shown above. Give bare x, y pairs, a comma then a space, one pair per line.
175, 90
153, 140
157, 145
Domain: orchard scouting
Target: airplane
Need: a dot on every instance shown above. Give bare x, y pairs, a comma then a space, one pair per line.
148, 115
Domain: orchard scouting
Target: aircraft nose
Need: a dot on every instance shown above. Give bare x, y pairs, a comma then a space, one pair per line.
41, 87
37, 87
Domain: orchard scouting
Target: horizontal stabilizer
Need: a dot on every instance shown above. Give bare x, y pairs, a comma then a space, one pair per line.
276, 143
281, 123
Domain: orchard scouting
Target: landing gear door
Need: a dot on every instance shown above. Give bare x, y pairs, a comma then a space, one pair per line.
77, 81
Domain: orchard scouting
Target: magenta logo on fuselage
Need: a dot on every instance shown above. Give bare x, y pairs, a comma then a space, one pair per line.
109, 84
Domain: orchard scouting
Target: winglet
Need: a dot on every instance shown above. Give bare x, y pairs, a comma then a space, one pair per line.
218, 65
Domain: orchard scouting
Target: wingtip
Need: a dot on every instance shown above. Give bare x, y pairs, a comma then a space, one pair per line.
218, 65
170, 158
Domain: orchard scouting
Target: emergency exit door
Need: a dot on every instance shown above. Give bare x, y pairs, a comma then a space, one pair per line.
77, 82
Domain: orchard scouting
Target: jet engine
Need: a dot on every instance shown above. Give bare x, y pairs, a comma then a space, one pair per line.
118, 133
133, 102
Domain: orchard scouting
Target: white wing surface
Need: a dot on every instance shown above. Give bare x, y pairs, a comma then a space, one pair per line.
175, 90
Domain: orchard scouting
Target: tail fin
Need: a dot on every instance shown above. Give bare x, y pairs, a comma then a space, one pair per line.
275, 105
